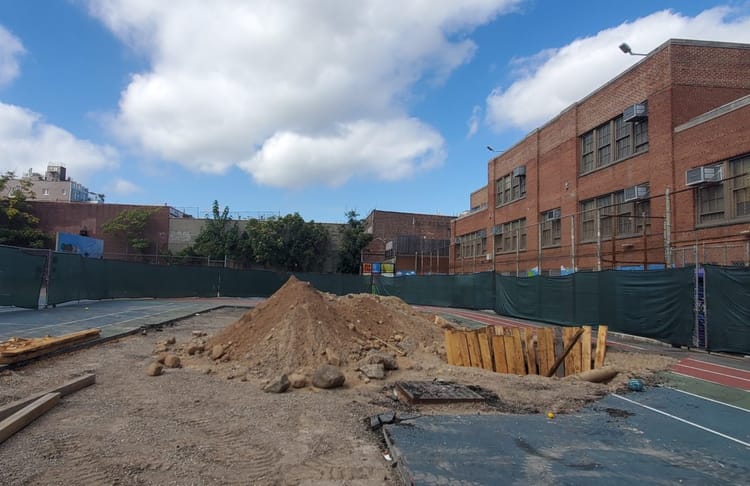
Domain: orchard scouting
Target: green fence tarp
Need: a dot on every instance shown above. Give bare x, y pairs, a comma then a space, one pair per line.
474, 291
20, 277
727, 309
655, 304
250, 283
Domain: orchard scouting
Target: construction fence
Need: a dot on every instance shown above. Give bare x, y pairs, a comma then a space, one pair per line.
675, 306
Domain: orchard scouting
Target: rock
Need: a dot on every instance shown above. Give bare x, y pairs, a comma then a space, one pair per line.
351, 326
328, 376
194, 349
217, 351
298, 380
279, 386
397, 337
170, 340
172, 361
161, 357
332, 357
154, 369
374, 371
406, 363
198, 333
388, 360
160, 348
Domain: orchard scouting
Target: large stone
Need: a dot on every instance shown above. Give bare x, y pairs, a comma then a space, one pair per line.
172, 361
374, 371
170, 340
279, 386
332, 357
154, 369
298, 380
388, 360
194, 348
217, 351
328, 376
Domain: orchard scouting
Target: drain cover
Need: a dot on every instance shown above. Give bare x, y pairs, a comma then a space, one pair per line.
435, 392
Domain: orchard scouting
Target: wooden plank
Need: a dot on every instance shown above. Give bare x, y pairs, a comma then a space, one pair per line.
65, 389
485, 349
11, 348
601, 346
463, 349
573, 358
498, 354
586, 349
565, 352
546, 349
514, 341
26, 415
450, 353
475, 357
499, 331
531, 361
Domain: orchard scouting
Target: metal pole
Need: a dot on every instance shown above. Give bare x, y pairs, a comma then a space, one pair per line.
747, 253
539, 246
572, 241
645, 242
598, 241
518, 247
668, 228
613, 222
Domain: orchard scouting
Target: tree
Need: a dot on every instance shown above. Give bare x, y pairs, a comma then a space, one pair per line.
353, 241
131, 225
18, 227
219, 237
288, 243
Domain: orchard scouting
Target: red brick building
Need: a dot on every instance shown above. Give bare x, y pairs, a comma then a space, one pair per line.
650, 169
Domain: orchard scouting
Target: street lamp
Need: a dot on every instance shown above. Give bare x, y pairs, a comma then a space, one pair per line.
489, 147
625, 48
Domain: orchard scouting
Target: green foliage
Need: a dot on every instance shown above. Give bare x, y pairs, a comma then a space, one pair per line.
287, 243
18, 227
353, 241
131, 225
219, 237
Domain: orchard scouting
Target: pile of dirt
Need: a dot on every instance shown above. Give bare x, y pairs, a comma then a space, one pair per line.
299, 328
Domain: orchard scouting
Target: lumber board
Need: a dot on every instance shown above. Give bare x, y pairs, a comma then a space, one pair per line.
450, 354
518, 366
498, 353
463, 349
546, 348
65, 389
586, 349
485, 349
499, 331
26, 415
21, 346
531, 352
573, 358
565, 352
601, 346
475, 357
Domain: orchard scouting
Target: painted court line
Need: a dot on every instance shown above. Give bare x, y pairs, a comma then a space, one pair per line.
703, 379
709, 399
707, 365
711, 372
679, 419
712, 376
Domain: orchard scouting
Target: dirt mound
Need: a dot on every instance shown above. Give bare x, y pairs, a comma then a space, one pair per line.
300, 328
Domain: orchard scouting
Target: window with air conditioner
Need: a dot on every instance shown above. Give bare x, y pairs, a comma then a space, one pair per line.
612, 142
551, 228
512, 238
722, 193
617, 217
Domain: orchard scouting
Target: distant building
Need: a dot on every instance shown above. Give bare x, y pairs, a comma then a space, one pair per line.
54, 186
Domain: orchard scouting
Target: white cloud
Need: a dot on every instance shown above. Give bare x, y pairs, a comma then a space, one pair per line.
233, 82
123, 187
10, 49
553, 79
27, 142
474, 121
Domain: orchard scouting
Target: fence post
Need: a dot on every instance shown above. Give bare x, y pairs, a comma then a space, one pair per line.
573, 241
667, 229
598, 240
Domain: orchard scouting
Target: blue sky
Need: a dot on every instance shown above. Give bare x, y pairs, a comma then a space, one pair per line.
310, 107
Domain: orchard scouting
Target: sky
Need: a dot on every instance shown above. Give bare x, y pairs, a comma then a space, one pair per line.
315, 107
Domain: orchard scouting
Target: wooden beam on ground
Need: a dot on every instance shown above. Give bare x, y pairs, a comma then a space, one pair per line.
573, 359
601, 346
26, 415
65, 389
565, 352
475, 356
485, 348
586, 349
545, 338
25, 349
498, 353
531, 361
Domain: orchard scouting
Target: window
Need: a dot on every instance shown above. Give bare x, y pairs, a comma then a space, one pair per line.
510, 236
600, 148
509, 188
45, 192
472, 244
550, 228
626, 218
729, 200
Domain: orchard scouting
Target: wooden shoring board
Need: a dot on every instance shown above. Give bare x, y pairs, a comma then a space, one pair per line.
586, 349
601, 346
485, 348
514, 352
475, 356
498, 349
573, 359
450, 349
546, 348
463, 349
531, 353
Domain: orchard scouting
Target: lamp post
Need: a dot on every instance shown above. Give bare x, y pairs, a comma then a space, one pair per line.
491, 149
625, 48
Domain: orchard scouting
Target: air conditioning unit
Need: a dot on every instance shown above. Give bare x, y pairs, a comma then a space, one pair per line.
488, 256
457, 241
635, 193
482, 233
497, 229
702, 175
635, 113
552, 214
519, 171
